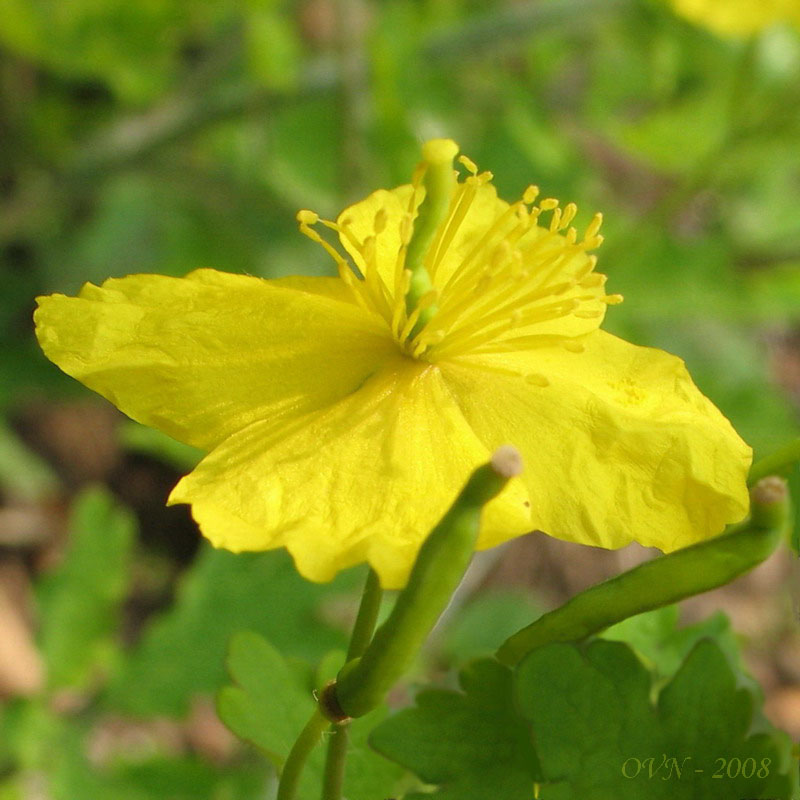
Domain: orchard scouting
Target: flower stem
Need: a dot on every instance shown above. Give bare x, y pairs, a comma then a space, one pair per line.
367, 616
775, 463
336, 756
301, 749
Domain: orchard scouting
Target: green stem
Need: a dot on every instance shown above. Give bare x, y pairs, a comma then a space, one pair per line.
335, 760
336, 756
367, 616
301, 749
775, 463
664, 580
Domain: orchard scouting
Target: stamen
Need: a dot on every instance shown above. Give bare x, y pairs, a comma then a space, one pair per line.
307, 230
374, 282
531, 341
425, 302
483, 330
462, 202
471, 265
594, 227
530, 194
521, 270
570, 210
532, 378
469, 164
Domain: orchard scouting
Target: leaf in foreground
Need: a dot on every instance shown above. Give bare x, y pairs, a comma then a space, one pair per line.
471, 744
596, 729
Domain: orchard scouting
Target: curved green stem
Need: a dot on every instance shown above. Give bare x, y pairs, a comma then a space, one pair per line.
367, 616
664, 580
335, 759
306, 742
775, 463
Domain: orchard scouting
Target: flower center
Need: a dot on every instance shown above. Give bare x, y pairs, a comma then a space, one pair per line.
489, 277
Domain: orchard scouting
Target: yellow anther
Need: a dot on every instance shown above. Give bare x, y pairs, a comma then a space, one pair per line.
570, 210
548, 204
468, 164
613, 299
593, 227
530, 194
306, 217
593, 244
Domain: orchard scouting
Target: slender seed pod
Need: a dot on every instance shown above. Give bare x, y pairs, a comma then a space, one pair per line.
444, 556
664, 580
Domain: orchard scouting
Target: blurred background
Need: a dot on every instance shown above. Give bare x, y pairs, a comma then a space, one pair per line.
166, 135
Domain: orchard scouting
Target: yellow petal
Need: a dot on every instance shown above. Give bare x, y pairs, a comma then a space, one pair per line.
618, 443
365, 479
203, 356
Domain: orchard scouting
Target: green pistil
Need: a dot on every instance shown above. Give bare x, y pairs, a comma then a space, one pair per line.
438, 155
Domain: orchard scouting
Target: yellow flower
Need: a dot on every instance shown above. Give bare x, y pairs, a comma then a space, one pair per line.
340, 426
738, 17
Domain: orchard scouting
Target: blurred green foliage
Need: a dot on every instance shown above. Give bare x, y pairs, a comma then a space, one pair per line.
167, 135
